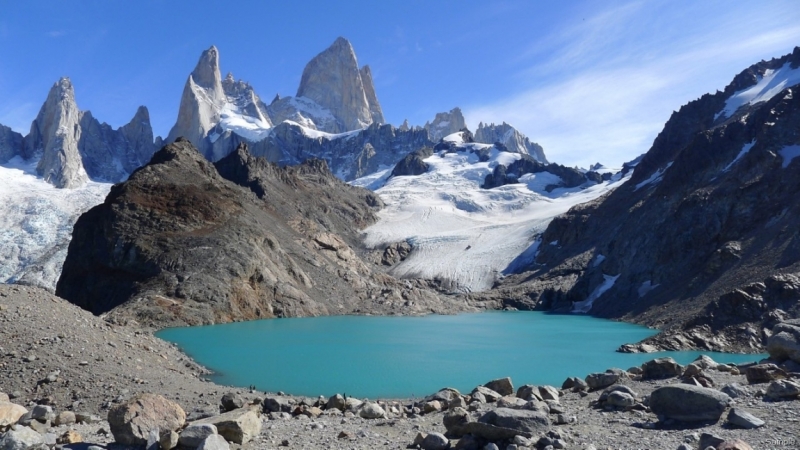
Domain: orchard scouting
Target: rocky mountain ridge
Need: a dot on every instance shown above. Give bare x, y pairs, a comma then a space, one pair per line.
71, 146
186, 242
703, 240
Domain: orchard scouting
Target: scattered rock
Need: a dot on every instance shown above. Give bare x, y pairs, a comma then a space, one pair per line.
687, 403
660, 368
336, 402
600, 380
372, 411
517, 419
743, 419
10, 413
69, 437
734, 390
549, 393
785, 341
132, 421
502, 386
214, 442
21, 438
735, 444
195, 433
490, 395
435, 441
764, 373
783, 390
65, 418
529, 392
168, 440
231, 401
238, 426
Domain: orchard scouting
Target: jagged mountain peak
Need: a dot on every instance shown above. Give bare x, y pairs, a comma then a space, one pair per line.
206, 73
332, 79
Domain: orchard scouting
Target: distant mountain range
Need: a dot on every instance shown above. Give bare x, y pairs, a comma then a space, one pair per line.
699, 236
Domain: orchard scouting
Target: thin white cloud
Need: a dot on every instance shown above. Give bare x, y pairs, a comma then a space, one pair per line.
56, 33
602, 89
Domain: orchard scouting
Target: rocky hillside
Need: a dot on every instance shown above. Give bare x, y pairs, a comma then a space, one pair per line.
704, 239
186, 242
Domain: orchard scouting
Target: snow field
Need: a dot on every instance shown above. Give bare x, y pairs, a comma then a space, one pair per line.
464, 234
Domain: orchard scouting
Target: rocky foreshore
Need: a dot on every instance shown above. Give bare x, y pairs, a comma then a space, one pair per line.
69, 379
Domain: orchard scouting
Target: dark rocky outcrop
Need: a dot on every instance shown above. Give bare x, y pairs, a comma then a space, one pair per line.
503, 175
185, 242
704, 239
413, 164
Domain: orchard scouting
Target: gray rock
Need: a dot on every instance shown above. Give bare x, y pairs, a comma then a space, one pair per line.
600, 380
336, 402
620, 399
784, 343
278, 403
743, 419
529, 392
454, 421
168, 440
65, 418
10, 413
195, 433
734, 390
709, 440
131, 422
214, 442
231, 401
764, 373
371, 411
435, 441
491, 446
517, 419
661, 368
238, 426
783, 390
43, 413
490, 395
502, 386
21, 438
549, 393
688, 403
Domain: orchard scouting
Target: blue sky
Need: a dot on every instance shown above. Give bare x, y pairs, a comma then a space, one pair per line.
589, 81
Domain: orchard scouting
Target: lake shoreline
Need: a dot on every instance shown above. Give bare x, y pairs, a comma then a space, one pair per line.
100, 365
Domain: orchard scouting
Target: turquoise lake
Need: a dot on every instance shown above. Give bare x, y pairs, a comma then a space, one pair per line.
399, 357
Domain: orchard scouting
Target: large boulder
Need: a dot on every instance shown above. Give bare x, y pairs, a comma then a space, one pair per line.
231, 401
214, 442
742, 419
194, 434
688, 403
132, 421
502, 386
783, 390
435, 441
517, 419
661, 368
601, 380
22, 438
490, 395
238, 426
764, 373
278, 403
372, 411
10, 413
785, 341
